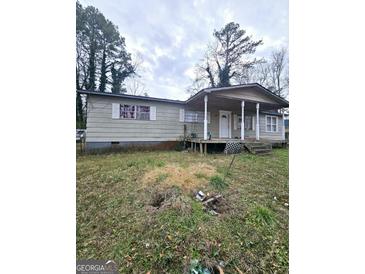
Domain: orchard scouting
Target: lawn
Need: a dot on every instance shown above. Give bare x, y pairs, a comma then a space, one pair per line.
138, 208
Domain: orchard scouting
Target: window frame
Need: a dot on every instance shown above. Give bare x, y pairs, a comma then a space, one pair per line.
271, 124
194, 115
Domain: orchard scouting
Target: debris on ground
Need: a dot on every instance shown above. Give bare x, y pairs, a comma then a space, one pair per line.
283, 199
213, 204
197, 268
200, 196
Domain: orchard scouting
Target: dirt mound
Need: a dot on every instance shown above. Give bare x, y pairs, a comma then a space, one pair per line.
186, 178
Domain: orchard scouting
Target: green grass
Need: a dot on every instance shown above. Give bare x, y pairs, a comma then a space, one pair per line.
217, 182
113, 221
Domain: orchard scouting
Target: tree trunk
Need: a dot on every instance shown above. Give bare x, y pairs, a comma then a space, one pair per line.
102, 85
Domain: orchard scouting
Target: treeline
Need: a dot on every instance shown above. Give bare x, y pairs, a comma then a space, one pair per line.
102, 61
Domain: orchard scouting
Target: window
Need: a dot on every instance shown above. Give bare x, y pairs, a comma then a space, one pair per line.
127, 112
135, 112
248, 123
196, 116
143, 113
271, 123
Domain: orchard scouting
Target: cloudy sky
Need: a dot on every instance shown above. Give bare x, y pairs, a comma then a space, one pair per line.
170, 36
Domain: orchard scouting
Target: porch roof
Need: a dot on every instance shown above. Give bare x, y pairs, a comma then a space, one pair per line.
246, 92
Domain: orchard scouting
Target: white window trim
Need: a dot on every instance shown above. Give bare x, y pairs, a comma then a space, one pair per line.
277, 123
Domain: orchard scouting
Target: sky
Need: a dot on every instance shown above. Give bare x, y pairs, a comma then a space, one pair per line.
171, 36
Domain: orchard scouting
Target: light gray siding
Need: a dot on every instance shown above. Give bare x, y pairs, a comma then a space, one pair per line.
102, 128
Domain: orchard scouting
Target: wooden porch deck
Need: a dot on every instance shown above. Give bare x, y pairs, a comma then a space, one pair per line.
204, 143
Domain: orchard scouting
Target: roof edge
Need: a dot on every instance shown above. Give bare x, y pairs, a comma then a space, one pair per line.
269, 92
129, 96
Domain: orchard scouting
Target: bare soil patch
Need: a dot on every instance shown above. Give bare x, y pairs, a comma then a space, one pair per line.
186, 178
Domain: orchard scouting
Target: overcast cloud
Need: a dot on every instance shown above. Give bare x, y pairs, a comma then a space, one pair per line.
171, 36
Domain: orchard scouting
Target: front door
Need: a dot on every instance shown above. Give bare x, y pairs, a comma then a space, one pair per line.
224, 124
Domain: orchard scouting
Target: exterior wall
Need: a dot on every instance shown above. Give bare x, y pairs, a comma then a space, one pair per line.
102, 128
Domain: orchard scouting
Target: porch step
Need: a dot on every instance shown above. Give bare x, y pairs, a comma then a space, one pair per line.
259, 148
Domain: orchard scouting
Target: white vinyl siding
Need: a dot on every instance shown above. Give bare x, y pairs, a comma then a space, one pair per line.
101, 127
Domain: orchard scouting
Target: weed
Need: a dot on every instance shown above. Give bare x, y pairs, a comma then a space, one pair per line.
218, 182
263, 216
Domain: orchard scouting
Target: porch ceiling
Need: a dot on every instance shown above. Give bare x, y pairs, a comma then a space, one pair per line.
216, 102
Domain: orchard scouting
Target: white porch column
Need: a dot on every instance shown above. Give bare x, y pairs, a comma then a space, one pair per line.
257, 121
206, 117
283, 128
243, 120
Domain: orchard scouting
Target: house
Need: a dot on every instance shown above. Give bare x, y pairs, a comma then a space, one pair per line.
241, 113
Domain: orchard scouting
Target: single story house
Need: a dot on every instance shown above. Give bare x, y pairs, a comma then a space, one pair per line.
244, 113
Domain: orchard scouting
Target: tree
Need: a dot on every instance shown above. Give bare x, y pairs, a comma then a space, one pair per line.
228, 57
271, 73
134, 84
278, 72
99, 47
80, 119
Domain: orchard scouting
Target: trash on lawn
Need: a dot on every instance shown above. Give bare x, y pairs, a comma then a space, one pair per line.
213, 204
200, 196
286, 204
213, 212
275, 198
212, 199
197, 268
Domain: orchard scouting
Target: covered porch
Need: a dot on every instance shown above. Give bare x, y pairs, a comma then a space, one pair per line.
236, 114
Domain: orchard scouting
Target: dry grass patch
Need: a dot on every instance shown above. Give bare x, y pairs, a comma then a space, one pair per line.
187, 178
